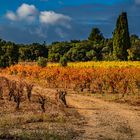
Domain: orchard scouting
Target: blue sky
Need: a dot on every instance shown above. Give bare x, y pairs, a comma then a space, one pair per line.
27, 21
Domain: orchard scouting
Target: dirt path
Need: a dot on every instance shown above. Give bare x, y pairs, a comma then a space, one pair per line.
106, 120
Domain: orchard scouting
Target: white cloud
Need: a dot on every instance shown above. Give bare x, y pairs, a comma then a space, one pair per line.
11, 15
52, 18
24, 12
29, 14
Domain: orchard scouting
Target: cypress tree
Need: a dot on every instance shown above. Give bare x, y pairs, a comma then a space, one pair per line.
121, 39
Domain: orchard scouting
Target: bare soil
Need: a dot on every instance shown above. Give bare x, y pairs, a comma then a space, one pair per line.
106, 120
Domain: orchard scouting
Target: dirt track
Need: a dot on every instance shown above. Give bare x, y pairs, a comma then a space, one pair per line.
106, 120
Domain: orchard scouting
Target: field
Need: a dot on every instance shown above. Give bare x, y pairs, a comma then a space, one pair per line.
101, 64
95, 92
119, 79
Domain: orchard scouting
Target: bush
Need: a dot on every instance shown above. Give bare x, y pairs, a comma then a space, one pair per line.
63, 61
42, 62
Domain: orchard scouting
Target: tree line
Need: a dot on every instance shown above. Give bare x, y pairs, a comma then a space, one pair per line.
121, 47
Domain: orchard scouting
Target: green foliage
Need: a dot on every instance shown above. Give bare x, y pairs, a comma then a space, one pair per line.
96, 35
78, 51
134, 51
8, 54
91, 55
25, 54
63, 61
57, 50
42, 62
11, 53
54, 57
32, 52
121, 39
98, 48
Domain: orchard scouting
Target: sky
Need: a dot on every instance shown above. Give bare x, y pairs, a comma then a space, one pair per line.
28, 21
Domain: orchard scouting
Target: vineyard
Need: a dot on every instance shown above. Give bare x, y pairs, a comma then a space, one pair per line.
36, 102
64, 78
100, 64
28, 113
118, 78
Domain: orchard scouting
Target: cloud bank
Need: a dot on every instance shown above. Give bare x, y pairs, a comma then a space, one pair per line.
30, 13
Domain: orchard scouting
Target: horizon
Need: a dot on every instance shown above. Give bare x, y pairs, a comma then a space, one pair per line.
62, 20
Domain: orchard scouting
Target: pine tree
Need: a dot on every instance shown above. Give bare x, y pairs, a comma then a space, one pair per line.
96, 35
121, 39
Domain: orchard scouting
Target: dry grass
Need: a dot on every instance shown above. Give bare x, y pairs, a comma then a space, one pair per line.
29, 121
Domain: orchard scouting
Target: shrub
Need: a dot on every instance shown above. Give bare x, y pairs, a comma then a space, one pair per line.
63, 61
42, 62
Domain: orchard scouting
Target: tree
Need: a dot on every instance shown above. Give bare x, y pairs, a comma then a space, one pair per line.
57, 50
98, 49
78, 51
63, 61
95, 35
8, 54
32, 52
24, 54
134, 51
91, 55
121, 39
134, 37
